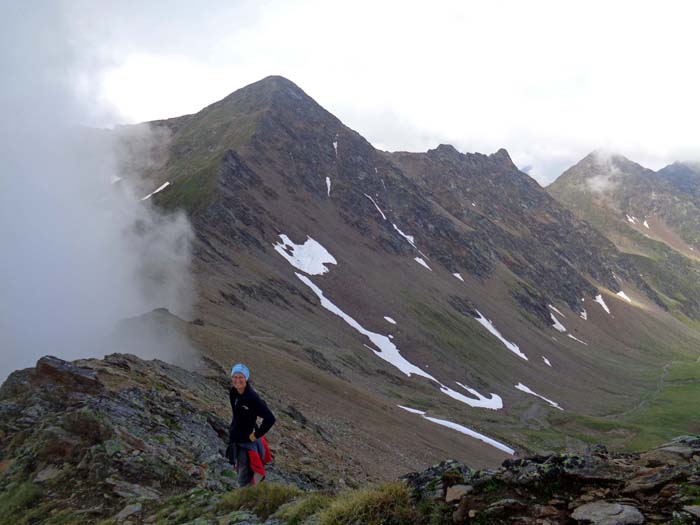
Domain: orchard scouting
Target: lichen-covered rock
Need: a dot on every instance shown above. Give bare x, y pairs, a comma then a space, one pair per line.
595, 487
604, 513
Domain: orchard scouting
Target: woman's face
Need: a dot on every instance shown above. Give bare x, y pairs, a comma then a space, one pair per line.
238, 381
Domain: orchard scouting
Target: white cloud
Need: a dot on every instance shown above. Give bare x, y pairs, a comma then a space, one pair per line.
549, 81
80, 254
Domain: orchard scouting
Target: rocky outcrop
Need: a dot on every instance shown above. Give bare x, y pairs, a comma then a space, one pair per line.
114, 438
658, 486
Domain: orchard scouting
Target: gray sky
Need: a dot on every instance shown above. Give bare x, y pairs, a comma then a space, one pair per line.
548, 80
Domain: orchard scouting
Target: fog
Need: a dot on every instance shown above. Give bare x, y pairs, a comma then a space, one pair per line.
81, 251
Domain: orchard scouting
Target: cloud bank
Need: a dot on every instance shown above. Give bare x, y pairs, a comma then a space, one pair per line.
80, 251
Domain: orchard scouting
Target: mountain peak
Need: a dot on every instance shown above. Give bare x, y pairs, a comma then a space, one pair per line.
502, 155
264, 93
445, 150
276, 83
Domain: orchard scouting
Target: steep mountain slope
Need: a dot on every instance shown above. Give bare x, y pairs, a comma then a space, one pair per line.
654, 217
357, 282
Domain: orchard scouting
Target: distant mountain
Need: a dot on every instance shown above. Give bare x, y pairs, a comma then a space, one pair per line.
423, 305
654, 217
683, 176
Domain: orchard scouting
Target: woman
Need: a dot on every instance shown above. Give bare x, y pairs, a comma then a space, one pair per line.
246, 450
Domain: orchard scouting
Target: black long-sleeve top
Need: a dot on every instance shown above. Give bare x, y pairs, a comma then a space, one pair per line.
247, 407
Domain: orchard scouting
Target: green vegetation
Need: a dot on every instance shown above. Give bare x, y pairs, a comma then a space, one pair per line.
455, 336
432, 512
388, 504
692, 492
197, 149
669, 413
16, 500
183, 507
660, 416
296, 512
262, 499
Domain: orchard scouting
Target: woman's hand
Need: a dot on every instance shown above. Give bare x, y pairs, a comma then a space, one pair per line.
252, 436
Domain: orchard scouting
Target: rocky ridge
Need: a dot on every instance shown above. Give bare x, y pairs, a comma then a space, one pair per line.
126, 441
598, 487
84, 441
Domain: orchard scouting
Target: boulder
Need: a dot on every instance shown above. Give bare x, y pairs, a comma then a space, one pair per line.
604, 513
455, 492
128, 511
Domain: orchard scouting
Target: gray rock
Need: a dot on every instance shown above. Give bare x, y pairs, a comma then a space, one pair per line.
693, 509
455, 492
128, 511
47, 474
685, 452
131, 490
604, 513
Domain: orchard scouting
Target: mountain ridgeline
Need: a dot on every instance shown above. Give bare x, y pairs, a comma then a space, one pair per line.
400, 308
652, 217
450, 284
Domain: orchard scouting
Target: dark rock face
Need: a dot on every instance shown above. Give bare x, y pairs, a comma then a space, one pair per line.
468, 212
659, 486
509, 216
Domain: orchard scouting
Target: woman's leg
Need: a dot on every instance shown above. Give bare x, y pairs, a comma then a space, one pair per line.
245, 475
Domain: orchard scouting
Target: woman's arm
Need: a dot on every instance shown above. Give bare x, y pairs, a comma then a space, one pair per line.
268, 418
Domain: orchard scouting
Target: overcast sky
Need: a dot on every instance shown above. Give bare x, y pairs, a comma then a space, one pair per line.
549, 81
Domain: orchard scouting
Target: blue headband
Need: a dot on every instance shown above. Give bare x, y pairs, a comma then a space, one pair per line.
240, 368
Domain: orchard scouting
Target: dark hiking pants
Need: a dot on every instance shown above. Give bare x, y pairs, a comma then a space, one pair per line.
245, 474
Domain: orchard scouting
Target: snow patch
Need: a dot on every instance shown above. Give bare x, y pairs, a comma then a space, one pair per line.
114, 179
525, 389
309, 257
378, 208
458, 276
390, 353
409, 238
555, 309
493, 402
389, 320
489, 326
328, 185
624, 296
412, 410
463, 430
546, 361
557, 325
159, 189
577, 339
584, 315
599, 300
630, 219
335, 147
422, 263
646, 224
